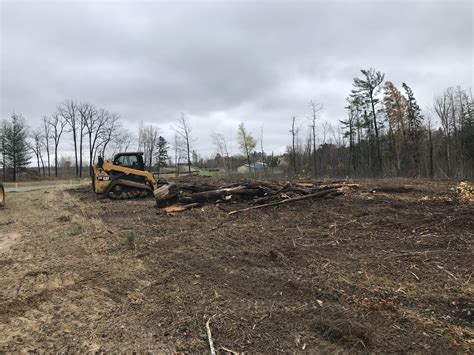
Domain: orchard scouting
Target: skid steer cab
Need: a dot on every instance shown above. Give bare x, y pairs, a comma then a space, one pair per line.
124, 177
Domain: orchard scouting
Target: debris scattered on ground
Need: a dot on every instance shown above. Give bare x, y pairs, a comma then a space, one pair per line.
176, 197
328, 275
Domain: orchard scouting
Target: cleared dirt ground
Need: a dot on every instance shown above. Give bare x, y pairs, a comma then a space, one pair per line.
383, 271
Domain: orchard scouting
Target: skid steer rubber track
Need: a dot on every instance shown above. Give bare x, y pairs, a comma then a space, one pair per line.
127, 195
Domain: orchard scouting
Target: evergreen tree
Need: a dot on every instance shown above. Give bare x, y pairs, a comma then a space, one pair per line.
3, 148
17, 151
468, 129
367, 90
413, 112
349, 131
414, 118
161, 156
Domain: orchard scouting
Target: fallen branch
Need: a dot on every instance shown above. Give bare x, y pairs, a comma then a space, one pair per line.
446, 271
416, 276
305, 197
209, 336
177, 208
228, 350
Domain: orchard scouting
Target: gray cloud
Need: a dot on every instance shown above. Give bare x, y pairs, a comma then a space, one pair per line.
225, 62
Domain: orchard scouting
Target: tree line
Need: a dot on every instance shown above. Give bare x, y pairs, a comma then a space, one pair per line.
385, 133
91, 129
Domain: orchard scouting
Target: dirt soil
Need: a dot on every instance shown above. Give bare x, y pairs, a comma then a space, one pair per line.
385, 269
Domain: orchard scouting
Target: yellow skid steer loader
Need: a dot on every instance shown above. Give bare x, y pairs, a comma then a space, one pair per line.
124, 177
2, 196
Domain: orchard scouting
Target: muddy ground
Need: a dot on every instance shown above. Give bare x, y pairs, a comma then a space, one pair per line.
388, 268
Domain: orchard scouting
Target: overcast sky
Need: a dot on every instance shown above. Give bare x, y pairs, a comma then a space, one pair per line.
224, 62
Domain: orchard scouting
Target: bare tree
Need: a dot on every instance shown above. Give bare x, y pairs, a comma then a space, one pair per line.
47, 136
121, 141
148, 139
95, 122
220, 142
109, 131
178, 151
36, 147
442, 107
86, 113
294, 133
184, 131
69, 111
57, 124
315, 109
261, 148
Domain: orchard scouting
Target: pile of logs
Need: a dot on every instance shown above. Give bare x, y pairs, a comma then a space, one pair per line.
177, 197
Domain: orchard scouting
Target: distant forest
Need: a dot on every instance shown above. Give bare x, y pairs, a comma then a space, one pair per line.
385, 133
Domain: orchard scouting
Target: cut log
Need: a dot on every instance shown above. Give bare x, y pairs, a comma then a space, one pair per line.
268, 185
305, 197
219, 194
196, 187
166, 193
181, 208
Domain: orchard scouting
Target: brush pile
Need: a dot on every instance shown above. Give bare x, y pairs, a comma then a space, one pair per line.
465, 191
177, 197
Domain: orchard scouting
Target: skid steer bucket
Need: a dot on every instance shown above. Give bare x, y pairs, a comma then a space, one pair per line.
2, 196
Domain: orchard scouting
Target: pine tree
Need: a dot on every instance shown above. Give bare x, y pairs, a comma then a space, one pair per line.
349, 127
3, 148
414, 118
161, 156
367, 89
17, 151
468, 130
413, 112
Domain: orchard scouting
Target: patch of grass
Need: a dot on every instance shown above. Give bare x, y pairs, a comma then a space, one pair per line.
46, 182
74, 229
211, 173
131, 236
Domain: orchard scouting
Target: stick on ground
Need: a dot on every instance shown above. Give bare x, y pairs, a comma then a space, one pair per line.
178, 208
305, 197
209, 336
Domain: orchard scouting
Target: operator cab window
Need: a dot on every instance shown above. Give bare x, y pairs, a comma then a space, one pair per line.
129, 161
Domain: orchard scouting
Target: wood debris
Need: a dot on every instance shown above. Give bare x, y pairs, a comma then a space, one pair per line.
178, 197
